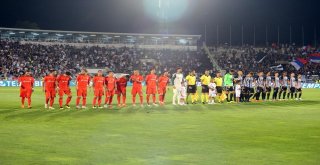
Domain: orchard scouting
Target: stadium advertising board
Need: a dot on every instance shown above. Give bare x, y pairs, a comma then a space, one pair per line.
72, 83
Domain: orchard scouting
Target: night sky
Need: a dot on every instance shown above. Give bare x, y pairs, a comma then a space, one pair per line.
130, 16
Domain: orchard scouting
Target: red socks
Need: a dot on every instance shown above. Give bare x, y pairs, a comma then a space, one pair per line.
94, 101
60, 101
99, 100
78, 101
148, 98
133, 99
68, 100
154, 98
51, 101
118, 99
22, 100
84, 101
124, 99
29, 101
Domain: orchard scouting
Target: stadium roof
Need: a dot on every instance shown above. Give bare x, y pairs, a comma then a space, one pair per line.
101, 37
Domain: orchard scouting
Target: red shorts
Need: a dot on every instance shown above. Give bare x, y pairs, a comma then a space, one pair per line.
122, 91
110, 93
98, 92
66, 91
50, 93
162, 90
82, 92
25, 92
136, 90
151, 90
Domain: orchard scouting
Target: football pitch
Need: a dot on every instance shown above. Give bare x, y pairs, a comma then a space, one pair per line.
286, 132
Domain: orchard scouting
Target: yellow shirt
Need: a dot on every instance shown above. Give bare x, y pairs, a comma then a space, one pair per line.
218, 81
205, 80
191, 80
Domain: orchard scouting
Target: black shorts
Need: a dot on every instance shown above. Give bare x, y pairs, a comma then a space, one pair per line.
284, 89
249, 90
260, 89
268, 89
276, 89
219, 89
229, 88
191, 89
205, 89
292, 90
299, 90
243, 89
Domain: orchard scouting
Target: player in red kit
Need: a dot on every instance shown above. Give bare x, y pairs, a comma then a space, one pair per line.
64, 88
151, 82
26, 83
82, 84
136, 79
121, 90
49, 87
110, 88
98, 87
162, 87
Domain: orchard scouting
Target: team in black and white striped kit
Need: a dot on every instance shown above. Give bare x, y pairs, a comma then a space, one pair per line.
269, 87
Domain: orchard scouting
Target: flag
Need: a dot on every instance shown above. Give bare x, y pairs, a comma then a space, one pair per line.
315, 57
298, 63
260, 57
278, 67
223, 96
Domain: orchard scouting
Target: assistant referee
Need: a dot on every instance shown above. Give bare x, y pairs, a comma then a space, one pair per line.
218, 81
192, 86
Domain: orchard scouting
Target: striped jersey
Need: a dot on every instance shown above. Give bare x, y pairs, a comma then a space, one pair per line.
277, 82
292, 82
248, 82
268, 81
285, 81
299, 83
260, 82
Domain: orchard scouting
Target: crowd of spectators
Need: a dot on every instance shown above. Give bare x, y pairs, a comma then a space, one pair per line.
16, 57
249, 58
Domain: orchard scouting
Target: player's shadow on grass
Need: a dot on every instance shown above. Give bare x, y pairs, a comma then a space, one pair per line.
8, 111
36, 114
284, 103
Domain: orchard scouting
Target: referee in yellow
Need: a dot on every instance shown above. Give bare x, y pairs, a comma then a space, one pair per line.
192, 87
205, 80
218, 80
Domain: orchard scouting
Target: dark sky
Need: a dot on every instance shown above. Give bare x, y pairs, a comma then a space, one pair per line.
130, 16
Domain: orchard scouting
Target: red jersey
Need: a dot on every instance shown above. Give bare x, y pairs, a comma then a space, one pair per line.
151, 80
121, 83
63, 81
83, 81
137, 80
49, 82
26, 82
110, 83
98, 82
163, 81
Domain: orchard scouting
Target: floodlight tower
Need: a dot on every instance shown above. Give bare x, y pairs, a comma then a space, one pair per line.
163, 7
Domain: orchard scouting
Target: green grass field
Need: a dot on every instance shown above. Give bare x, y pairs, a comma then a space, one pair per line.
251, 133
